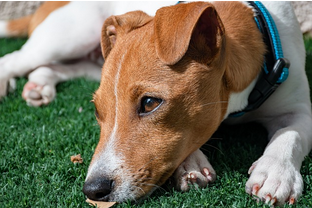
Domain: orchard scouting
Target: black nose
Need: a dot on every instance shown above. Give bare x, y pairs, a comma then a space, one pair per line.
98, 189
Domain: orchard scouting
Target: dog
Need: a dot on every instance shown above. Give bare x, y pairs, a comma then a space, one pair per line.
64, 43
167, 84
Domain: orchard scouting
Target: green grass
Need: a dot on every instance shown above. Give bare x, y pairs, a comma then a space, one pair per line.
36, 145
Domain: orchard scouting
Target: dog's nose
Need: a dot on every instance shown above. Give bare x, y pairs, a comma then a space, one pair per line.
98, 189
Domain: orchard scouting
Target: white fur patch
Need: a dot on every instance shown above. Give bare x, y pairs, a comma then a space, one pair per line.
108, 154
238, 101
3, 29
108, 160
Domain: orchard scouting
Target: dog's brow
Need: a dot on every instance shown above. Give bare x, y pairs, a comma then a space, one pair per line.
135, 91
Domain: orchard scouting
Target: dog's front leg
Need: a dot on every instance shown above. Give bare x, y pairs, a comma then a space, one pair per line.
194, 170
40, 89
275, 177
69, 33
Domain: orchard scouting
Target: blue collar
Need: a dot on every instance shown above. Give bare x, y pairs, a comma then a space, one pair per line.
275, 68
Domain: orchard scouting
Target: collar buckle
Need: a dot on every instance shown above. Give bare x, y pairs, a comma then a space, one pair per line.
275, 68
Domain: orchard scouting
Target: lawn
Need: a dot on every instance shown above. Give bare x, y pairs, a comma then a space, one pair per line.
36, 145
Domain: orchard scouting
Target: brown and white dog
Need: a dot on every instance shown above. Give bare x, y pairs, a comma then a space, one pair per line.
168, 82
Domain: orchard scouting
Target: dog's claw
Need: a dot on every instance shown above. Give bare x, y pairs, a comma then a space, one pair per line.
292, 200
192, 178
195, 170
209, 175
268, 199
198, 178
251, 169
255, 189
273, 201
195, 178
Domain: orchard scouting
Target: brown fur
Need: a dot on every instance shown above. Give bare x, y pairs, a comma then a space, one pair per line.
26, 25
19, 27
129, 21
171, 49
243, 50
191, 67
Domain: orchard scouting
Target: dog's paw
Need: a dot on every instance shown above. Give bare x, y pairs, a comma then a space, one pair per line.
37, 95
274, 181
195, 170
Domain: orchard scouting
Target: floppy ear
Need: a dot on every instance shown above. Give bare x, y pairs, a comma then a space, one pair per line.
177, 26
118, 25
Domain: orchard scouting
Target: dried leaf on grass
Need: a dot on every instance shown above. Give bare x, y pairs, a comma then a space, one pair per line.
100, 204
76, 158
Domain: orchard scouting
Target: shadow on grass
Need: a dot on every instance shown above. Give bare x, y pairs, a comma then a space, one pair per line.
236, 147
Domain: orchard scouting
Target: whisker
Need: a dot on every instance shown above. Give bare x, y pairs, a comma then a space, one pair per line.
213, 103
215, 138
153, 185
144, 179
151, 160
140, 189
209, 145
139, 181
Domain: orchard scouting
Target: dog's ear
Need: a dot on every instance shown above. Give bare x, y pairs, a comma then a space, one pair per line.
194, 25
118, 25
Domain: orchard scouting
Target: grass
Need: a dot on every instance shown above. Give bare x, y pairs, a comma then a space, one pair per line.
36, 145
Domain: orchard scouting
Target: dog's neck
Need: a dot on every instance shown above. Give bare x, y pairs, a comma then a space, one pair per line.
242, 54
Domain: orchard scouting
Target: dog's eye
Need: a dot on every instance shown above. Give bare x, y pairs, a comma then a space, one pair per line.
149, 104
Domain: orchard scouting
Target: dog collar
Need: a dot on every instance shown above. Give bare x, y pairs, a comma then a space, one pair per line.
275, 67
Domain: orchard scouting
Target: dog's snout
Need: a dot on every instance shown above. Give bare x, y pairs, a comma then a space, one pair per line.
98, 189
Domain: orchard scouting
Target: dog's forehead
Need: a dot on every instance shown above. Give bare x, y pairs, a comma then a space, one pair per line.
134, 65
127, 71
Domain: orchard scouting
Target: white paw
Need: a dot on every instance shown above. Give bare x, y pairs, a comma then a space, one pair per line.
194, 170
37, 95
274, 181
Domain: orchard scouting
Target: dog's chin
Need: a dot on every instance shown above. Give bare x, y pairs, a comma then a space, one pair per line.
144, 197
133, 195
167, 186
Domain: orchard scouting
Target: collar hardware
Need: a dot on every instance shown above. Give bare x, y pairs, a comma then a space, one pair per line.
275, 68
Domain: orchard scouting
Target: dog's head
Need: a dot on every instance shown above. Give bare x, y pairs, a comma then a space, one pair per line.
162, 95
